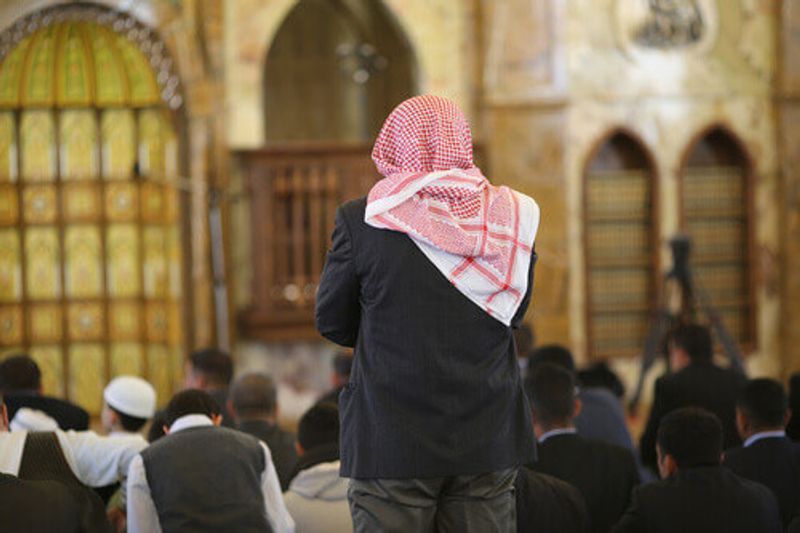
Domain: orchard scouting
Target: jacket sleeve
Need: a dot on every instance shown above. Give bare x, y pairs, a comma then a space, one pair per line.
632, 521
647, 444
526, 300
338, 311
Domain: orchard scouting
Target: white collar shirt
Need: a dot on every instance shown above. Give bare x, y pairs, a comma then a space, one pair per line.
764, 435
553, 432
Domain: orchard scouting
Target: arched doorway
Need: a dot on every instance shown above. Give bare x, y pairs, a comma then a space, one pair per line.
334, 72
620, 246
90, 243
716, 201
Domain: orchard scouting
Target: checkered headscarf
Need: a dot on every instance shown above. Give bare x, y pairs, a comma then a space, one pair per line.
478, 235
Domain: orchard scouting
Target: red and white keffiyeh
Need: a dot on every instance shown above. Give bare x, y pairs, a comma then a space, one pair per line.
478, 235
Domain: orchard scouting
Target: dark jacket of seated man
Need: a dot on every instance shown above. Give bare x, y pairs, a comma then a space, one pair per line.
695, 381
22, 503
604, 473
253, 402
697, 494
768, 456
21, 384
548, 505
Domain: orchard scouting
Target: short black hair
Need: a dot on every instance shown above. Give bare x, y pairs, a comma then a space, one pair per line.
695, 339
692, 436
19, 373
343, 364
214, 364
253, 395
319, 426
129, 423
190, 402
763, 401
551, 392
554, 354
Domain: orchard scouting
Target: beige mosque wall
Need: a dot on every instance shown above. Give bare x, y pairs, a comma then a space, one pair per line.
439, 31
541, 132
788, 103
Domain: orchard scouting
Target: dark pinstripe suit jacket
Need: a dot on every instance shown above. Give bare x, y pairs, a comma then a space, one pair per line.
435, 388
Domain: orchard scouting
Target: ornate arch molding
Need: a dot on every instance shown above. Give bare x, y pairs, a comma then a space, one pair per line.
147, 40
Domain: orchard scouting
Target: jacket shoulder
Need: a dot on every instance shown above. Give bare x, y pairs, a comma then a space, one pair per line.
354, 209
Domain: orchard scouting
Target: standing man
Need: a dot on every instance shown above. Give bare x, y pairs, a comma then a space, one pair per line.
695, 381
426, 278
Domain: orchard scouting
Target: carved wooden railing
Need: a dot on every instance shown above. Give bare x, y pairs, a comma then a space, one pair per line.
294, 192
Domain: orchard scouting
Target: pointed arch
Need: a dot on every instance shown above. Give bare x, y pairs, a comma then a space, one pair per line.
620, 243
717, 202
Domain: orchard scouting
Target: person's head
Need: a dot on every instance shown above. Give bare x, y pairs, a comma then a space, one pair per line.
129, 402
20, 373
552, 395
761, 406
553, 354
253, 396
208, 369
191, 402
423, 134
319, 426
524, 339
342, 365
687, 438
689, 343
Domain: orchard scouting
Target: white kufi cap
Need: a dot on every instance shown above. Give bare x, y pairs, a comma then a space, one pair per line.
131, 396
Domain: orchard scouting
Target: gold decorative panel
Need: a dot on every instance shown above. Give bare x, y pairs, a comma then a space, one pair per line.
81, 203
86, 322
9, 208
39, 204
87, 375
45, 322
42, 265
122, 202
78, 144
156, 322
155, 262
11, 324
126, 359
10, 266
8, 147
119, 144
38, 145
83, 271
50, 360
88, 227
122, 261
125, 321
158, 371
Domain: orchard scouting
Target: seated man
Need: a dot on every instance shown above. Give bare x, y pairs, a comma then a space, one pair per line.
317, 497
768, 456
76, 459
253, 401
129, 402
601, 416
202, 477
21, 385
695, 381
697, 494
209, 370
604, 473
